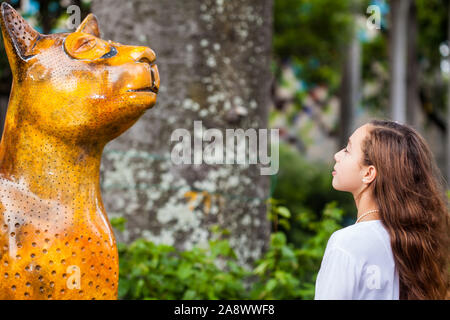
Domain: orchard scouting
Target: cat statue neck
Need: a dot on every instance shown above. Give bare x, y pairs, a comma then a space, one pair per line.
71, 94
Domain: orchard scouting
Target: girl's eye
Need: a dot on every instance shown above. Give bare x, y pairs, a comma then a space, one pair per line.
345, 149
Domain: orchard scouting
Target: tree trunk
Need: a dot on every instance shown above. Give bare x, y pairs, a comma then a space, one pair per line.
398, 56
214, 62
412, 74
350, 88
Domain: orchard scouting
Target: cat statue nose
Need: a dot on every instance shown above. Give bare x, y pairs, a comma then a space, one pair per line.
147, 55
144, 54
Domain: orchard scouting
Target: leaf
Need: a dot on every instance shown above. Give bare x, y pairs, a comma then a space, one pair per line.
184, 271
118, 223
284, 223
124, 286
271, 284
284, 212
261, 268
190, 295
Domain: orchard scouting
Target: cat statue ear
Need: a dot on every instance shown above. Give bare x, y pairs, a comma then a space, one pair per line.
19, 37
89, 25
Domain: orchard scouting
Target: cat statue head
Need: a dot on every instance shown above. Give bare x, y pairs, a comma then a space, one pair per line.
76, 86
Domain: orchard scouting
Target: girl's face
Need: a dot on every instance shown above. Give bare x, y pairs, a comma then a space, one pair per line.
348, 171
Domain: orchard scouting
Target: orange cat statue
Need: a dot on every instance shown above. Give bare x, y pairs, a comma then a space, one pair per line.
71, 94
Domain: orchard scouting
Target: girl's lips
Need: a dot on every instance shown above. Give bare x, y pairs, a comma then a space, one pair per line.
333, 173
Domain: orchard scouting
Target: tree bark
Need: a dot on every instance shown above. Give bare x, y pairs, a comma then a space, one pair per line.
350, 88
398, 56
214, 59
412, 98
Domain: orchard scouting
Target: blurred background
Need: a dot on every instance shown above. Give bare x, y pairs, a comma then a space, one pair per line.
315, 69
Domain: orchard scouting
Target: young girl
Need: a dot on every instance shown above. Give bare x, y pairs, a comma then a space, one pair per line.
398, 247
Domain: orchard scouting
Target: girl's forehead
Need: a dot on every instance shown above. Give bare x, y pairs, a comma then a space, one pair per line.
360, 133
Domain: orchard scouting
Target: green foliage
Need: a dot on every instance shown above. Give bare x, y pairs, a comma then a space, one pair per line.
150, 271
118, 223
300, 27
278, 215
305, 187
432, 19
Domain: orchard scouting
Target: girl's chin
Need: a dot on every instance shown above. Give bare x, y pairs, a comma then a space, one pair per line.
338, 187
335, 185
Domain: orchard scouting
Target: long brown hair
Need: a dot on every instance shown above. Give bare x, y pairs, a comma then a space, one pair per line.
410, 196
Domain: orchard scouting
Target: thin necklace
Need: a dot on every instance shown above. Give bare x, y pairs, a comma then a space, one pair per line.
365, 214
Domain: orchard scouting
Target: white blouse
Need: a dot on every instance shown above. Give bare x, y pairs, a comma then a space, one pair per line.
358, 265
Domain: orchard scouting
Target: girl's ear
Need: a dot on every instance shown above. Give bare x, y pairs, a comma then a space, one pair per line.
370, 175
89, 25
18, 35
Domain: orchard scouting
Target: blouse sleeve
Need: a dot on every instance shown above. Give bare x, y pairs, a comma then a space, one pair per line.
337, 277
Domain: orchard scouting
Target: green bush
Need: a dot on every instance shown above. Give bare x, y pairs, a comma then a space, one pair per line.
150, 271
305, 187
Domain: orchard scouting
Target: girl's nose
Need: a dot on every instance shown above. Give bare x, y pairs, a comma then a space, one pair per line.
336, 156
